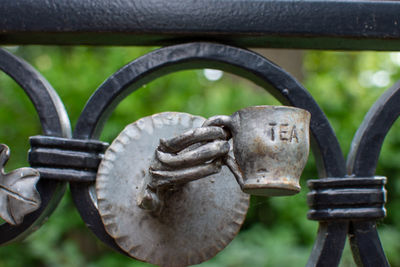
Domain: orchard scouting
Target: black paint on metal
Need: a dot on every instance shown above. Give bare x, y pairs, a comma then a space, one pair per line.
315, 24
366, 245
54, 121
362, 161
335, 199
66, 159
368, 140
244, 63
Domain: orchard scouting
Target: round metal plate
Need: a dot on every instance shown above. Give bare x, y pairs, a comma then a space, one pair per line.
197, 221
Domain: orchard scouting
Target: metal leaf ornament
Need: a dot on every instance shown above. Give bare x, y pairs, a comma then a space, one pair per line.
18, 194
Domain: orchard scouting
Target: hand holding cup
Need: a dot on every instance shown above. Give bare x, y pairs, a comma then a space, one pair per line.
270, 148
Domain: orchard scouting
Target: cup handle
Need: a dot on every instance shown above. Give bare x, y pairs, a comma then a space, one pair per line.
223, 120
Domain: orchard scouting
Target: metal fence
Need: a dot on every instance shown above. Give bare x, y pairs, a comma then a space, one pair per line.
346, 200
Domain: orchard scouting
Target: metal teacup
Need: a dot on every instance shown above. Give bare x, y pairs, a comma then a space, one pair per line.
270, 146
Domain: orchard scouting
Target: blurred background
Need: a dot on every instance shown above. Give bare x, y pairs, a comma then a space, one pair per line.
276, 231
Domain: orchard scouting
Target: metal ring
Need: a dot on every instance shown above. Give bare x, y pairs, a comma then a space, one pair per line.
54, 121
238, 61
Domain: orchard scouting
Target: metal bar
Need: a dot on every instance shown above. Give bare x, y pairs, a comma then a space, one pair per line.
315, 24
362, 161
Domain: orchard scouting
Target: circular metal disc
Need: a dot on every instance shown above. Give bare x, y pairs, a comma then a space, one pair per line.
197, 221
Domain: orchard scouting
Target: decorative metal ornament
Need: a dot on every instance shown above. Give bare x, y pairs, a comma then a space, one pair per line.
197, 219
164, 192
18, 194
270, 145
270, 150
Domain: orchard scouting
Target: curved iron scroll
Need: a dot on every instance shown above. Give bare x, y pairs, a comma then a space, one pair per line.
54, 121
244, 63
362, 161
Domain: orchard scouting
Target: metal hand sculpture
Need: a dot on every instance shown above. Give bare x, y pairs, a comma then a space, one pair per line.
18, 194
179, 221
270, 147
192, 155
195, 154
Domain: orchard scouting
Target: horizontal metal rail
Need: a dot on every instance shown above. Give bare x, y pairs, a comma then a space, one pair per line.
314, 24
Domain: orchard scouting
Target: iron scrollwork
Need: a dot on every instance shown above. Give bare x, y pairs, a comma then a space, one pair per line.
54, 121
239, 61
57, 156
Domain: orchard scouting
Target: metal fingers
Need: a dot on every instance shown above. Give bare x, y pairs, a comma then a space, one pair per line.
194, 156
190, 156
191, 137
165, 178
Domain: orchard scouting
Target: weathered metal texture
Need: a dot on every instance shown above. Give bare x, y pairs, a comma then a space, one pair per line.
362, 161
54, 121
331, 236
183, 158
198, 219
18, 194
200, 158
270, 145
335, 199
66, 159
293, 24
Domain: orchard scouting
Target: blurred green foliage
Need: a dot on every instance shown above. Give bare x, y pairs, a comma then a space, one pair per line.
276, 231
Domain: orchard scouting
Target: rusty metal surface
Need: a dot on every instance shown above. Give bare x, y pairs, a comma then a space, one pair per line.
198, 220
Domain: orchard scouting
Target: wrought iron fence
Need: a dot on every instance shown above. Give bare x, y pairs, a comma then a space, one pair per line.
347, 199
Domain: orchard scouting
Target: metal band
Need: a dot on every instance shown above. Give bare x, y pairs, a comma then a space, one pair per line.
66, 159
347, 199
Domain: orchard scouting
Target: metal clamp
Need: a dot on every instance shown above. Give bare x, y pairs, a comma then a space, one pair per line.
66, 159
347, 198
